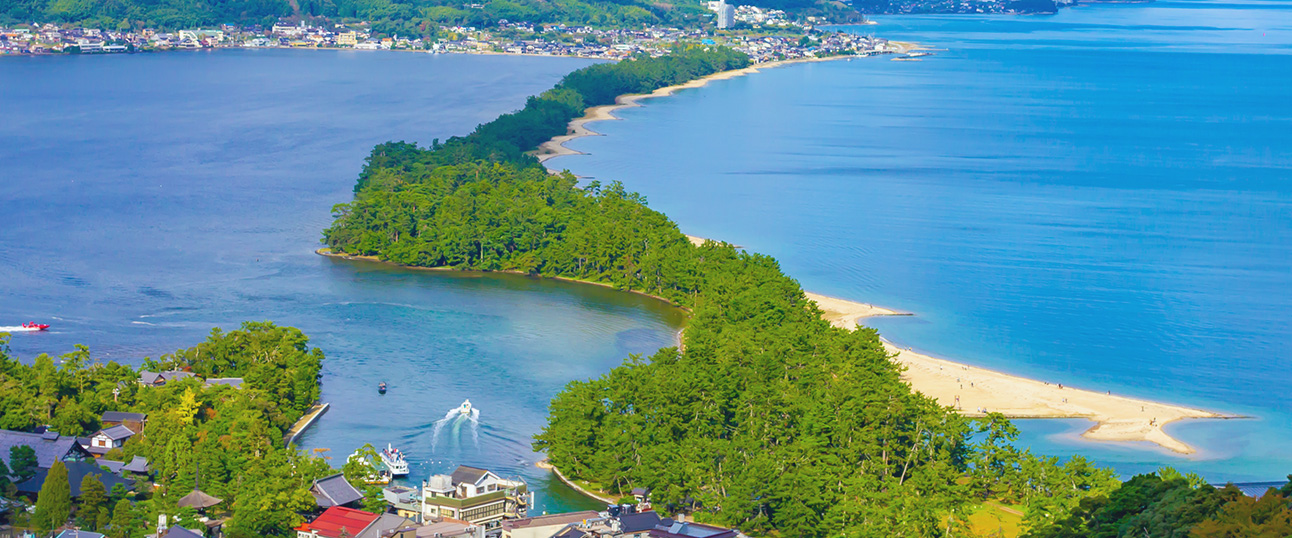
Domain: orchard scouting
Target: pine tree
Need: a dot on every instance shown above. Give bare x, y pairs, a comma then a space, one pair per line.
22, 461
54, 503
123, 520
102, 519
93, 497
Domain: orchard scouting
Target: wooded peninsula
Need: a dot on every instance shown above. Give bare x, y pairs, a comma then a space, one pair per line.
767, 418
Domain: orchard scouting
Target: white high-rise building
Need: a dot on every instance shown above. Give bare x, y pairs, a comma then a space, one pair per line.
726, 14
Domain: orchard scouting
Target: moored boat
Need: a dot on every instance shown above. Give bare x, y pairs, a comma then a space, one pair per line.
394, 461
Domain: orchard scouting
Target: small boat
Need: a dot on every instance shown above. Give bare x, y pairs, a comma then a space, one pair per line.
465, 408
381, 387
394, 461
26, 328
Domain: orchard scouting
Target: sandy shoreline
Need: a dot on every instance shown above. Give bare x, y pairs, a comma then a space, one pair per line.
972, 390
578, 127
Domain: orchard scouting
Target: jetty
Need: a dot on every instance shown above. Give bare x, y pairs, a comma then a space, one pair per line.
311, 416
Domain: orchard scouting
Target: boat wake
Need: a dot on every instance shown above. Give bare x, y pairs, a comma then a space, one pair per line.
457, 416
20, 329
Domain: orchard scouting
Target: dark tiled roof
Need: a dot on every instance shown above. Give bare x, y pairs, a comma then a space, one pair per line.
76, 471
121, 416
334, 491
138, 464
118, 432
180, 532
640, 492
691, 530
639, 522
384, 523
113, 466
570, 531
468, 475
151, 377
235, 382
198, 499
50, 447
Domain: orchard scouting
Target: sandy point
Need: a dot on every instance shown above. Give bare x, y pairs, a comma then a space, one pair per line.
974, 391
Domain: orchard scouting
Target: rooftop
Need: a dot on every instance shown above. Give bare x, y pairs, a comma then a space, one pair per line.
50, 447
551, 519
334, 490
121, 416
338, 518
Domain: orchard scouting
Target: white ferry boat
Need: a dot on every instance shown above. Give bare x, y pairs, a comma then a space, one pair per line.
394, 461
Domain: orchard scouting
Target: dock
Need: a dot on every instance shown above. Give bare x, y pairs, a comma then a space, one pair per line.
305, 422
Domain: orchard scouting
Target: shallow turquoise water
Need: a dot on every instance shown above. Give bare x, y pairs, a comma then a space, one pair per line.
145, 199
1100, 198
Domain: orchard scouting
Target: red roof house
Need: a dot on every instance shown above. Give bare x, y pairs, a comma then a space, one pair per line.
334, 520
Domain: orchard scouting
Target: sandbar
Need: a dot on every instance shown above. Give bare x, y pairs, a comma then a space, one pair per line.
973, 391
577, 127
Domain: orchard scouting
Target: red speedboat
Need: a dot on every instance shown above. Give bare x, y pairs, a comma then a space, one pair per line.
36, 326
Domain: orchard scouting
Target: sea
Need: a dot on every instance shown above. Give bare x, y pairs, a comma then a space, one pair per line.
146, 199
1100, 198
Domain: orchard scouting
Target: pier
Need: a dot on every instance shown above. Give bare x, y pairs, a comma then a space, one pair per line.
305, 422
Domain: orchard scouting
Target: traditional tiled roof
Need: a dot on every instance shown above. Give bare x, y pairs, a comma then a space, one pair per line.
337, 518
639, 522
334, 490
76, 471
681, 529
179, 532
235, 382
198, 499
151, 378
121, 416
384, 523
116, 433
138, 464
50, 447
113, 466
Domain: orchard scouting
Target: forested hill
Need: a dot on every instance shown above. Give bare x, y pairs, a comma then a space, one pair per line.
402, 17
769, 419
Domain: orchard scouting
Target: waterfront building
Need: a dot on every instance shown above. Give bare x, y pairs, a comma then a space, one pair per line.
476, 496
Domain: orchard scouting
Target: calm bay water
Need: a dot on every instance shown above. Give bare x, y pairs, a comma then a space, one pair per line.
145, 199
1101, 198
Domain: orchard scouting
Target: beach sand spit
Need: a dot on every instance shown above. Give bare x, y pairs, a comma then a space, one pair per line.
578, 126
974, 391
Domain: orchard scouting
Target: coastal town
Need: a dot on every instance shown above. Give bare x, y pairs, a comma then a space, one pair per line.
767, 35
467, 502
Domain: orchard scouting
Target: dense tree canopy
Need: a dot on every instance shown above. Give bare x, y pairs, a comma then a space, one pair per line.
768, 418
227, 438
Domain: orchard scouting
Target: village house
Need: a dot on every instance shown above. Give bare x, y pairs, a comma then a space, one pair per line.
49, 447
158, 379
134, 421
76, 471
105, 440
337, 521
476, 496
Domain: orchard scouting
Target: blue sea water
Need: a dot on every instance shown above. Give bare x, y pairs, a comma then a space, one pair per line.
1100, 198
145, 199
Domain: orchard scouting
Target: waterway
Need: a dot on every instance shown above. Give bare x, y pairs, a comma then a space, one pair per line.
145, 199
1100, 198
